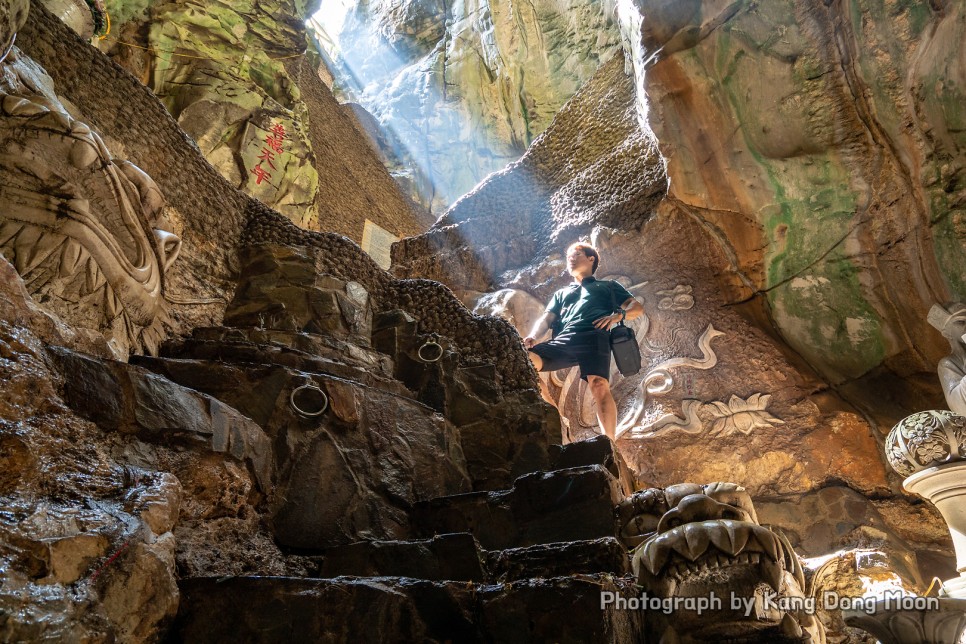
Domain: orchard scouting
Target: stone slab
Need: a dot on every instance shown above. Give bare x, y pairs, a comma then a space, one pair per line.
565, 505
446, 557
284, 609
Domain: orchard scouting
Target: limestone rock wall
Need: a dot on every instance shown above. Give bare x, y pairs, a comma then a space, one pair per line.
787, 272
465, 87
593, 166
240, 82
820, 144
212, 218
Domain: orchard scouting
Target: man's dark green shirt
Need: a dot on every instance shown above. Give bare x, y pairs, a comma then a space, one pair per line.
578, 305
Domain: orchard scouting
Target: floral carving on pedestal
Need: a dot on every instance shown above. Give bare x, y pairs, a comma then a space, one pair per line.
925, 439
741, 415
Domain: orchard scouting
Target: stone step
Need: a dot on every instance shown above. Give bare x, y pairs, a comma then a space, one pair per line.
398, 609
503, 444
455, 557
350, 473
564, 559
545, 507
129, 399
599, 450
458, 557
301, 351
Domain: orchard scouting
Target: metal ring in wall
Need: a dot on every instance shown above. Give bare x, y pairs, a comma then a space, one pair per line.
322, 406
434, 352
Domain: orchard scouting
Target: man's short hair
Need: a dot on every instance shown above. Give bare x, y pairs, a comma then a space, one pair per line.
589, 251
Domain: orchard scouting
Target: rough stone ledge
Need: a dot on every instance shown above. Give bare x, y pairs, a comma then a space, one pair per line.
458, 557
540, 508
454, 557
594, 451
547, 560
276, 609
131, 400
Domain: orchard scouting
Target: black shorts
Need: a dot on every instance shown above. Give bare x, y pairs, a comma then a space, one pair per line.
589, 349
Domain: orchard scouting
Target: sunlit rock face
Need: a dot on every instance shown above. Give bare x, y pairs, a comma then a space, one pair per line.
465, 87
236, 77
593, 166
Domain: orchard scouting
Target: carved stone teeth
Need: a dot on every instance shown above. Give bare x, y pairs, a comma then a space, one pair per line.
38, 279
94, 278
105, 154
8, 231
24, 247
656, 553
71, 256
790, 559
697, 537
62, 119
771, 572
13, 105
29, 109
754, 557
82, 154
769, 543
43, 247
738, 533
791, 627
111, 303
52, 119
79, 128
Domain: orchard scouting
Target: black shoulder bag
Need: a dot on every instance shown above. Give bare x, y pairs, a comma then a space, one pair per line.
624, 346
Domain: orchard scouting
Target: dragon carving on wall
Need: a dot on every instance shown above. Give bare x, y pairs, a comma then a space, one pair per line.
85, 230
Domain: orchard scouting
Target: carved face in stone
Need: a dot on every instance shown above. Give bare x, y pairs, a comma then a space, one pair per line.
949, 320
694, 540
82, 228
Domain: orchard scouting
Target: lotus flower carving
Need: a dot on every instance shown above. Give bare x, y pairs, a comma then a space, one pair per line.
741, 415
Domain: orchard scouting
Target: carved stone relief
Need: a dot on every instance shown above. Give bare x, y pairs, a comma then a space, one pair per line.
741, 415
576, 404
951, 322
926, 439
694, 541
660, 381
84, 230
678, 298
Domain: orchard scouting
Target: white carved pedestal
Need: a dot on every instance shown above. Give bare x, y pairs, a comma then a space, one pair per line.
945, 487
929, 449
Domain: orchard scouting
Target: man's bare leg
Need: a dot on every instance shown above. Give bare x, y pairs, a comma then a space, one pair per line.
538, 364
606, 407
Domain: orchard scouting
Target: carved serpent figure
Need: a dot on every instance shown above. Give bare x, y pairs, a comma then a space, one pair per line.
83, 229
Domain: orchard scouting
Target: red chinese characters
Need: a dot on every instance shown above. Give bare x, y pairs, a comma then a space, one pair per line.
273, 146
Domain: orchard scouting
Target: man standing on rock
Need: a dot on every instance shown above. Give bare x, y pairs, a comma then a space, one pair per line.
586, 310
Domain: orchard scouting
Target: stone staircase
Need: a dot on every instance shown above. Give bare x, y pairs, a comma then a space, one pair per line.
525, 564
424, 502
